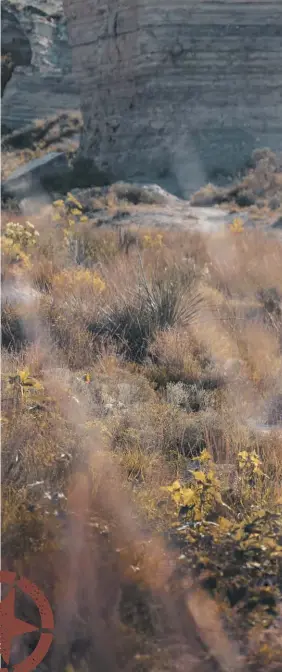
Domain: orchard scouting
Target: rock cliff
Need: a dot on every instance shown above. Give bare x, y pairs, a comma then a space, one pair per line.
179, 92
15, 46
36, 62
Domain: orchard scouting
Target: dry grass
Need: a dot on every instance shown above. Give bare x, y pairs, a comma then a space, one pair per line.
57, 133
120, 372
259, 189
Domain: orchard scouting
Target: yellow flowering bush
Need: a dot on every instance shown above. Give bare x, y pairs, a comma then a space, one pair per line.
74, 280
17, 242
24, 235
68, 214
25, 382
69, 211
237, 225
237, 556
149, 241
202, 495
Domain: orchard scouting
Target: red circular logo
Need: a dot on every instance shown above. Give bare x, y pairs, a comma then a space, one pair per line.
11, 627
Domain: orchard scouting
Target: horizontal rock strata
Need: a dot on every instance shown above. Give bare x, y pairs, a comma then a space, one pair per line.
177, 92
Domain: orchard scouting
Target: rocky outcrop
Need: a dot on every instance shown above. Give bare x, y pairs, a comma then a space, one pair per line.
15, 46
40, 82
148, 206
180, 92
43, 134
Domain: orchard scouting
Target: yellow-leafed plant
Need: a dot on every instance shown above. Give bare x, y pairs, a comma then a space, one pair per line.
202, 496
237, 225
232, 555
17, 242
25, 381
24, 235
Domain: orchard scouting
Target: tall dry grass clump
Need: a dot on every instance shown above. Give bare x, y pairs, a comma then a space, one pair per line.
140, 306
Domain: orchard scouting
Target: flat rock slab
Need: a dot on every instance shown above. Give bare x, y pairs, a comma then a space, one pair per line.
27, 179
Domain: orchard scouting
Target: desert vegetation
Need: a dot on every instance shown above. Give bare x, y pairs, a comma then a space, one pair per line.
259, 186
141, 440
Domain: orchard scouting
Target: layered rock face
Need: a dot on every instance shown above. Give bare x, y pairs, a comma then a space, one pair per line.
36, 62
177, 92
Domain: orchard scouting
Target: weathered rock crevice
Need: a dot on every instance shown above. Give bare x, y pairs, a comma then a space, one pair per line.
15, 46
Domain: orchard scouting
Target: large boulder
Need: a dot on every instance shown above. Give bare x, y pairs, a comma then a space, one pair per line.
41, 83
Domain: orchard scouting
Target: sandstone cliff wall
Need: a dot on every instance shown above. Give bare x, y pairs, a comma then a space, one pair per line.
177, 91
42, 84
